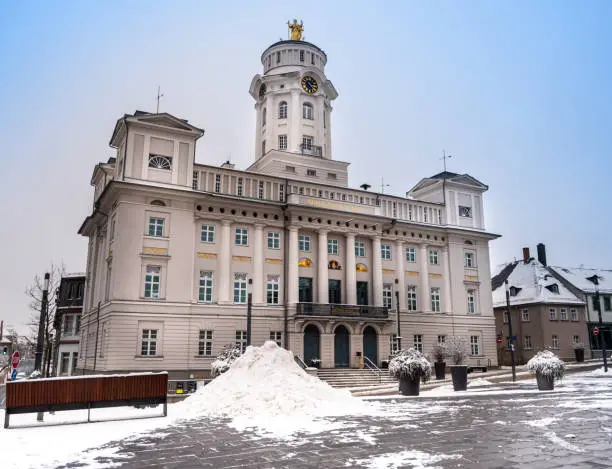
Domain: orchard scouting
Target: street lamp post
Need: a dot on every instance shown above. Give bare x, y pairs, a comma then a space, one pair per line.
249, 307
597, 307
510, 331
397, 306
40, 342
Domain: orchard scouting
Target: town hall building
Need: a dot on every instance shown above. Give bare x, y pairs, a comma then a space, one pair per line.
176, 247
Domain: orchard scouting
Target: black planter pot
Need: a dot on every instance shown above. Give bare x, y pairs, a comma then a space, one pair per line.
440, 368
545, 383
409, 386
579, 352
459, 375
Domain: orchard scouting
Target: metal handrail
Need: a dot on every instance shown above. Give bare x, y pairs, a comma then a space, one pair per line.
369, 364
300, 362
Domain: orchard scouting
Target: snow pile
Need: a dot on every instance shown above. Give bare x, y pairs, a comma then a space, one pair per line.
410, 364
416, 459
547, 363
265, 389
601, 372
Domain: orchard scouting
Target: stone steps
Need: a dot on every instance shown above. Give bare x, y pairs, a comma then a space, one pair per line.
354, 378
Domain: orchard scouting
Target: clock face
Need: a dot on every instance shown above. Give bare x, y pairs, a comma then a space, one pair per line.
310, 85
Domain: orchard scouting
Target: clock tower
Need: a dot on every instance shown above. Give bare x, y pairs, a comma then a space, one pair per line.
293, 99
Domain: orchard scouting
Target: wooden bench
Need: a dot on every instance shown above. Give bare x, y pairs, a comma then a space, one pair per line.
85, 392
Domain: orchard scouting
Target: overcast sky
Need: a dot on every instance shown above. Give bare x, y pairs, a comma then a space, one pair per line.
518, 92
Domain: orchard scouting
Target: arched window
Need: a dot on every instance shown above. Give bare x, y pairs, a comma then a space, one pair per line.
307, 112
263, 117
159, 203
282, 110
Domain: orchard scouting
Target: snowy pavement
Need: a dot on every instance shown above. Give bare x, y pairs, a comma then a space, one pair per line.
500, 425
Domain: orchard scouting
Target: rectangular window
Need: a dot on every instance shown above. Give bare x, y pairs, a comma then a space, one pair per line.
433, 256
281, 192
241, 340
385, 251
240, 188
607, 305
435, 299
290, 169
156, 227
563, 314
260, 190
527, 342
277, 337
152, 281
555, 342
77, 324
68, 324
304, 243
65, 363
194, 181
410, 254
471, 301
331, 176
412, 298
206, 286
505, 317
263, 147
282, 142
469, 259
207, 235
418, 342
393, 344
240, 288
441, 339
475, 344
278, 57
242, 237
574, 314
360, 249
552, 314
148, 347
388, 295
273, 240
312, 59
205, 343
75, 361
311, 172
301, 56
576, 339
307, 142
217, 183
272, 289
332, 246
525, 315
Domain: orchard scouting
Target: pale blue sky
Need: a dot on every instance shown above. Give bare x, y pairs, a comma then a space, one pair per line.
518, 92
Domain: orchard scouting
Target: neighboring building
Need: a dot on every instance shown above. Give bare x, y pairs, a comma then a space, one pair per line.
68, 323
581, 282
544, 313
174, 245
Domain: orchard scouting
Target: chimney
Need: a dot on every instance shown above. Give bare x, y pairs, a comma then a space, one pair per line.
542, 254
526, 255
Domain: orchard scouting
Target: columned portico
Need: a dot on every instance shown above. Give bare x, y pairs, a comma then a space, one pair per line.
225, 262
400, 276
351, 285
258, 272
424, 277
447, 292
322, 269
377, 276
292, 276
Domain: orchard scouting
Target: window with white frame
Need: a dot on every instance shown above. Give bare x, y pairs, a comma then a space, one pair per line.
332, 246
205, 343
441, 339
471, 301
160, 162
307, 111
194, 181
282, 142
260, 190
412, 298
304, 243
552, 314
242, 237
307, 142
301, 56
505, 317
152, 281
525, 315
475, 344
563, 314
410, 254
527, 345
385, 251
281, 192
469, 259
240, 187
263, 147
217, 183
388, 295
360, 250
576, 339
433, 257
393, 344
241, 340
273, 240
574, 314
435, 299
277, 337
311, 172
156, 227
207, 234
205, 293
148, 345
65, 364
282, 110
272, 289
240, 288
555, 342
417, 341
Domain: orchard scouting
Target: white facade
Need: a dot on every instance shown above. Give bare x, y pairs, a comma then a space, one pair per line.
174, 244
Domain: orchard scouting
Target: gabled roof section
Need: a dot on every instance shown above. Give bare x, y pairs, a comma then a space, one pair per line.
578, 277
162, 120
451, 178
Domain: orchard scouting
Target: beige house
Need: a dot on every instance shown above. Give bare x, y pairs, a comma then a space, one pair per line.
176, 246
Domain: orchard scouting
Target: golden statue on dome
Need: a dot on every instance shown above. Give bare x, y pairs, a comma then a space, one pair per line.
296, 30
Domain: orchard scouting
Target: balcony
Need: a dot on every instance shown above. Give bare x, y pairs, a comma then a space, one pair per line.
311, 150
347, 311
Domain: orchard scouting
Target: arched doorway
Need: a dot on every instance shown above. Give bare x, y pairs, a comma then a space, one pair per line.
312, 340
370, 344
341, 347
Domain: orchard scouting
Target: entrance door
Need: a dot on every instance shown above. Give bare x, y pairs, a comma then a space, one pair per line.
362, 293
305, 285
370, 344
334, 292
312, 340
341, 347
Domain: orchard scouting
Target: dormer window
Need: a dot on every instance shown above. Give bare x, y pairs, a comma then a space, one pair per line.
465, 211
514, 291
160, 162
554, 288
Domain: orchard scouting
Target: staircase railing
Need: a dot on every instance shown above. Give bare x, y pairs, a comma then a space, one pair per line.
370, 365
300, 362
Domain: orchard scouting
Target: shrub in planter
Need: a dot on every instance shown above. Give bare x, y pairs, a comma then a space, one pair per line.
547, 368
409, 367
222, 363
457, 352
579, 351
439, 354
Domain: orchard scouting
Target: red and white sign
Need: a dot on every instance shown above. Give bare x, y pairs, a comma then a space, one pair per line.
595, 330
15, 360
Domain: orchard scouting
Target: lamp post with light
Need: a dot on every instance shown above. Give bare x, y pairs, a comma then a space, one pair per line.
397, 306
249, 308
510, 331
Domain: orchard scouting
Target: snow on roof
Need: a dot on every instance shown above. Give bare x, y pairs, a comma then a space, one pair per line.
532, 283
578, 276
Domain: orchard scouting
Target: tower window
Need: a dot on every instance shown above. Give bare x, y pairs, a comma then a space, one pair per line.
282, 110
282, 142
240, 188
263, 147
311, 172
324, 120
278, 57
307, 142
264, 115
301, 56
307, 111
160, 162
312, 59
269, 61
260, 192
217, 183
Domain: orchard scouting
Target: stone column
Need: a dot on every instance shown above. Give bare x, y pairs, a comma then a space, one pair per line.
322, 273
446, 292
225, 262
425, 296
400, 276
258, 271
293, 275
351, 279
377, 276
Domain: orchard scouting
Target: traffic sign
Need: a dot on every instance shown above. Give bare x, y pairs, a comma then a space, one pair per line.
15, 360
14, 374
595, 330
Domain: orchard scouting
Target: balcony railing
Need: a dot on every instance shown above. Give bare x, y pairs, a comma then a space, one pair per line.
355, 311
312, 150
